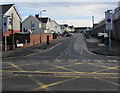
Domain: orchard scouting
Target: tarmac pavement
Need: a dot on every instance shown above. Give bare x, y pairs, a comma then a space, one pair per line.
94, 45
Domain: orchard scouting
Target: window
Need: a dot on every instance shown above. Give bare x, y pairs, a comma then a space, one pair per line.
33, 26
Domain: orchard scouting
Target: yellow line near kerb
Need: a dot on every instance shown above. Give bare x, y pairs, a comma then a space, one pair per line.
94, 73
44, 50
68, 76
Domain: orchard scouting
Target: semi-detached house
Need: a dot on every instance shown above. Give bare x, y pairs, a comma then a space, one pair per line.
32, 24
38, 29
11, 24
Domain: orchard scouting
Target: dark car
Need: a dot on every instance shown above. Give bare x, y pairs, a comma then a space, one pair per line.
69, 34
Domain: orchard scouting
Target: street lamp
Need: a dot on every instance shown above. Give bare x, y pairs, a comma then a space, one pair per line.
41, 15
93, 22
41, 12
41, 22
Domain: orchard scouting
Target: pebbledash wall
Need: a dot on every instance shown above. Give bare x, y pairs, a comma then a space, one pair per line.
38, 38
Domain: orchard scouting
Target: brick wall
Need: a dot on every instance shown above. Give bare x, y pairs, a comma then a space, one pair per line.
39, 38
34, 39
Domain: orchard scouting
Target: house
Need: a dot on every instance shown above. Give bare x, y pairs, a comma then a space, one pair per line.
38, 28
32, 24
45, 23
11, 24
55, 28
62, 27
71, 29
13, 18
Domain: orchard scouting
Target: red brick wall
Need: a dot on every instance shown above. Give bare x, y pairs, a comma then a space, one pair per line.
35, 39
39, 38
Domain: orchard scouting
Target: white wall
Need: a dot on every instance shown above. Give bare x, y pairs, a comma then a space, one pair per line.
55, 27
16, 19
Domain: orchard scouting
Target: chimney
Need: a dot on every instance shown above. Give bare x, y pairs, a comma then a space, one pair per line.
37, 16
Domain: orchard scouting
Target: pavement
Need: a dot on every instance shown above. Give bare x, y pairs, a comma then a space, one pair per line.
94, 45
32, 49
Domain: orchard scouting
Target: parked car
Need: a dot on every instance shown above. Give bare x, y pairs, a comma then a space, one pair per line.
99, 35
69, 34
72, 34
105, 35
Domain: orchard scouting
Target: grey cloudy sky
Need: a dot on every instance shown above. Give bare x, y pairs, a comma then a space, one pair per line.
75, 13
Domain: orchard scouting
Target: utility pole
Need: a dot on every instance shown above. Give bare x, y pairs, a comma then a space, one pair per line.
5, 29
12, 31
93, 22
41, 24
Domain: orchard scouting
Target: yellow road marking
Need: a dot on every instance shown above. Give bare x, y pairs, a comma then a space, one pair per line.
73, 71
31, 77
62, 67
94, 73
68, 76
37, 53
21, 65
106, 69
78, 63
53, 84
104, 66
99, 65
8, 77
57, 67
44, 50
38, 82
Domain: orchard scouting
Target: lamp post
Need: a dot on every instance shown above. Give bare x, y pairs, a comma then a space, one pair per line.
41, 22
41, 15
41, 12
12, 32
93, 22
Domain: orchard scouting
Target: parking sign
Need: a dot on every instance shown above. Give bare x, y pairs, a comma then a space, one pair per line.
108, 19
4, 24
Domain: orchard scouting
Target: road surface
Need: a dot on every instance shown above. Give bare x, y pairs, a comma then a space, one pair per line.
68, 66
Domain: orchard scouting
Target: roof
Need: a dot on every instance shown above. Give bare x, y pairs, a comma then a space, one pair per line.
66, 25
36, 19
71, 27
44, 20
6, 7
55, 22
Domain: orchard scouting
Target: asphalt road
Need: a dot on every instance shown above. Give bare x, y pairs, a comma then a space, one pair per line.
68, 66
